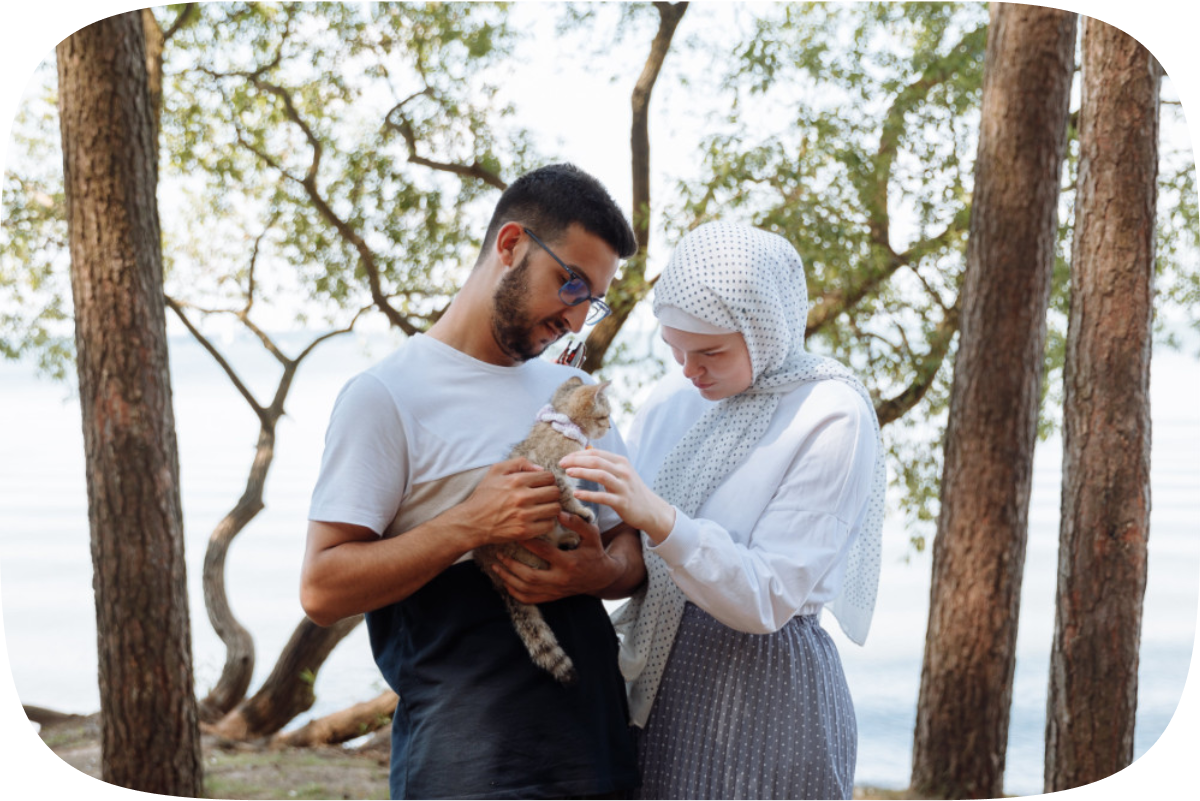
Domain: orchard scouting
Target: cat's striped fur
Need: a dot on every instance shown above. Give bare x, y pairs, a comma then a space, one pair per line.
587, 407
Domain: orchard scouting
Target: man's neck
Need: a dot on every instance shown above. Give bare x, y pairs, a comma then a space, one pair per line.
466, 327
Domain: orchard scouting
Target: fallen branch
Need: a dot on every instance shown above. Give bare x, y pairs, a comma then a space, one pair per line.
344, 725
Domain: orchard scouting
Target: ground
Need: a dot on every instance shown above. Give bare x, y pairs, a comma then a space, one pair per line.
249, 771
253, 771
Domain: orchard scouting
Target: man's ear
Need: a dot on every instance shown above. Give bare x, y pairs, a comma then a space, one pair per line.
507, 238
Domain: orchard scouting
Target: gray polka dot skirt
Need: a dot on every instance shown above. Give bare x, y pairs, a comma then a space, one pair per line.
750, 715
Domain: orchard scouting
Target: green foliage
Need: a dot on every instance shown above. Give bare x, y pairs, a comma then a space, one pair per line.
866, 168
323, 158
295, 120
1177, 250
35, 305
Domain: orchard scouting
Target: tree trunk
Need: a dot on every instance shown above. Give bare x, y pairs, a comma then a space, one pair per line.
979, 551
235, 677
1105, 521
632, 287
288, 691
149, 736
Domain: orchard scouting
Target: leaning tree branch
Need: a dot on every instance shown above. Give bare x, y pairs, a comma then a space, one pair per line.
404, 128
875, 193
216, 354
288, 691
237, 672
184, 17
874, 196
343, 725
927, 367
625, 293
234, 681
366, 255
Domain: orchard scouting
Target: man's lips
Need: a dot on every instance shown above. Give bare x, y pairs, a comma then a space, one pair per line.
556, 332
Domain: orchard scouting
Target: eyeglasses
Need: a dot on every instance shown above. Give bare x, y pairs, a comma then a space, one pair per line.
576, 290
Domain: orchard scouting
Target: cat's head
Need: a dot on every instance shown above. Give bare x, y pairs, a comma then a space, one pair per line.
585, 404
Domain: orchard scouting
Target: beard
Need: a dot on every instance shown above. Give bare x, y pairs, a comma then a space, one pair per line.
512, 326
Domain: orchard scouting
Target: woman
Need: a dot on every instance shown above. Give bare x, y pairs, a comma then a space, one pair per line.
766, 506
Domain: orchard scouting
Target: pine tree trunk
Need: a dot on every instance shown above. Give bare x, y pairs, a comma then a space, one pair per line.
979, 551
149, 736
1106, 418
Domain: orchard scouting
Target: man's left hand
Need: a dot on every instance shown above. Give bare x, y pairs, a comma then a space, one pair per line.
588, 569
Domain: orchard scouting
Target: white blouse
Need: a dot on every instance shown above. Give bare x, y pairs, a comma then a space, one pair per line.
771, 541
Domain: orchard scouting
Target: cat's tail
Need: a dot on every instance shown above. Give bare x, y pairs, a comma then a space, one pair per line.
540, 641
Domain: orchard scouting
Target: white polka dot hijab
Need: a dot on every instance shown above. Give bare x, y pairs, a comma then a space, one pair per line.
729, 277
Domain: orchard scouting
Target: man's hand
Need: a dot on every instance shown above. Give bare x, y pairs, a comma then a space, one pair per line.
587, 569
516, 500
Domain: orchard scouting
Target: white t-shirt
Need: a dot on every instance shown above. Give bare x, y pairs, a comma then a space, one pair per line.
425, 423
771, 541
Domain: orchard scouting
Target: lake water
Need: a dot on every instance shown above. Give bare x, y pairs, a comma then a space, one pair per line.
45, 563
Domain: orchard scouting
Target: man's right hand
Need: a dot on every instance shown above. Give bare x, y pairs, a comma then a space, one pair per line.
349, 569
516, 500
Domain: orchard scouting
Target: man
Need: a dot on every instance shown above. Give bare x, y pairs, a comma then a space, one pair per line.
414, 477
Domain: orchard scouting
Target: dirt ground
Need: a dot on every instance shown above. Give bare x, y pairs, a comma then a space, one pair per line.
250, 771
253, 771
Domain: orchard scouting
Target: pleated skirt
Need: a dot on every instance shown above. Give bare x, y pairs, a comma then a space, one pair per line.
750, 715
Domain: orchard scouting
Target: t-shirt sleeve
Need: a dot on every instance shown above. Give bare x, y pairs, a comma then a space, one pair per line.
365, 467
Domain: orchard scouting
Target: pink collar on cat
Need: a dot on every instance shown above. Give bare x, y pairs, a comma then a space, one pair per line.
562, 424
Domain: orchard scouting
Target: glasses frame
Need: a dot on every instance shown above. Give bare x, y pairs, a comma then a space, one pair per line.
598, 310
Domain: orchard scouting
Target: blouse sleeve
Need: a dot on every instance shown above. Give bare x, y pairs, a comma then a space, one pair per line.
799, 542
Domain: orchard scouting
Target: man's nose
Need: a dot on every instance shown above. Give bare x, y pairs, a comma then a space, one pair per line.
576, 316
690, 367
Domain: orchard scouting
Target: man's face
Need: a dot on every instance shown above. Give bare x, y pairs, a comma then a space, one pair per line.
512, 323
527, 314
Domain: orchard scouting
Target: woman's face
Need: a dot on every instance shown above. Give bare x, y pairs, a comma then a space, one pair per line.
717, 364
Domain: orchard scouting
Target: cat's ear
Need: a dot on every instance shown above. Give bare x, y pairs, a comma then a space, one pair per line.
603, 385
572, 382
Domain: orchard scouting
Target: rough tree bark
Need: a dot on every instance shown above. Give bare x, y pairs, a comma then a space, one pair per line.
979, 551
1105, 523
149, 735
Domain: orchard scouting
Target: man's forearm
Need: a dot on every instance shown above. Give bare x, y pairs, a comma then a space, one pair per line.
361, 575
625, 548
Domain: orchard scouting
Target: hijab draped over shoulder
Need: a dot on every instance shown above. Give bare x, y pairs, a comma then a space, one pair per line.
730, 277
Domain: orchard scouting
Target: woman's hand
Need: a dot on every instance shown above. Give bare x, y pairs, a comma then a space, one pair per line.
624, 491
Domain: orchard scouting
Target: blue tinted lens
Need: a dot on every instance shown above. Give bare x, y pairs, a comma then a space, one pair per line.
575, 292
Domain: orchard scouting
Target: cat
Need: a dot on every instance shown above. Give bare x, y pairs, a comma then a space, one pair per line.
577, 412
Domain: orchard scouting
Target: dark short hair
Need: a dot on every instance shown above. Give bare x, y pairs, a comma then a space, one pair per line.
550, 199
